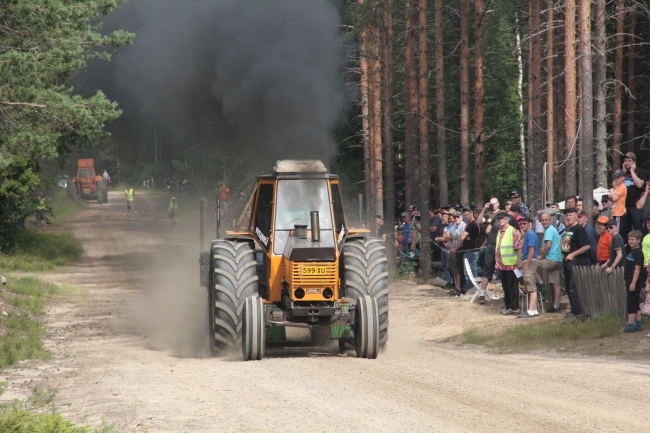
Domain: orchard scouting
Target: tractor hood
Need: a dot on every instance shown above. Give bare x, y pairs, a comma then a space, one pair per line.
300, 249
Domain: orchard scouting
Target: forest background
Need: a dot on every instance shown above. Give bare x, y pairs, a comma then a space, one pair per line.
434, 101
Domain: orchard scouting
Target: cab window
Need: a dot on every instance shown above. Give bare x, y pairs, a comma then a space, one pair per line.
337, 203
264, 213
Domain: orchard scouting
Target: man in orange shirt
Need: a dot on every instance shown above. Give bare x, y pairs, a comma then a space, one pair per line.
605, 239
618, 194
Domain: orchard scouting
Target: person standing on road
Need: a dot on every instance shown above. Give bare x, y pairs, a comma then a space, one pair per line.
550, 259
106, 176
529, 253
129, 194
41, 207
508, 258
575, 247
635, 277
467, 247
173, 206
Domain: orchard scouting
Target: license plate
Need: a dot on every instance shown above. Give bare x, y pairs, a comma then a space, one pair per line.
313, 270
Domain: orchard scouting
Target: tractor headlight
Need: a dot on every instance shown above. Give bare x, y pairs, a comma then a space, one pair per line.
328, 293
299, 293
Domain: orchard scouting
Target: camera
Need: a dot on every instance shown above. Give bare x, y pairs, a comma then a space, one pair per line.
491, 207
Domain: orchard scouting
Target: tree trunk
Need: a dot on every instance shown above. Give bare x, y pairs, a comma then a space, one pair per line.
376, 198
560, 154
423, 112
618, 84
389, 149
587, 129
520, 93
410, 105
440, 107
479, 96
631, 75
464, 102
600, 106
550, 103
363, 85
535, 147
570, 95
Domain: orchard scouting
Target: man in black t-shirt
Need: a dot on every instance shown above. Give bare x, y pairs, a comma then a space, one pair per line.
635, 182
382, 231
468, 247
575, 249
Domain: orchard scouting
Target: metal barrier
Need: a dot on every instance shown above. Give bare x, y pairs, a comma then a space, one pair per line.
600, 292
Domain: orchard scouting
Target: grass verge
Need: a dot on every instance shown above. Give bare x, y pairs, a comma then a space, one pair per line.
36, 251
584, 336
63, 207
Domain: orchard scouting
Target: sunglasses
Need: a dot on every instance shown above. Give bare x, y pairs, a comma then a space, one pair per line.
610, 228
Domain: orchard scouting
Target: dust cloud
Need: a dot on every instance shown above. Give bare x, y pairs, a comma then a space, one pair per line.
172, 311
226, 78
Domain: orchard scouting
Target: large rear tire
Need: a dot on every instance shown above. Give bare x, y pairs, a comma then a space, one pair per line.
253, 329
366, 328
365, 264
233, 279
102, 191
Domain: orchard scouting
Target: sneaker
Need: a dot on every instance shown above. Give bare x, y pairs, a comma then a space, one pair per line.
481, 299
516, 311
523, 316
638, 326
508, 312
629, 328
569, 315
503, 311
553, 310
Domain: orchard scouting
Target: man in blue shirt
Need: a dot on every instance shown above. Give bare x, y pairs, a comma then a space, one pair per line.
550, 259
529, 252
591, 235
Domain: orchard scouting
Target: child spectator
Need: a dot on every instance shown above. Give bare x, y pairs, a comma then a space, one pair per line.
635, 277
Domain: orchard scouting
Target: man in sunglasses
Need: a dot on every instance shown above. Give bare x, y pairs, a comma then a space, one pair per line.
615, 248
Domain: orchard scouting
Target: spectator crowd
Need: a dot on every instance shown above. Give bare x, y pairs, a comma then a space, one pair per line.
504, 242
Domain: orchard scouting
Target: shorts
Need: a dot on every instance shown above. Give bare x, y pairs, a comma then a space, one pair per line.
128, 205
634, 298
456, 263
529, 278
490, 262
552, 269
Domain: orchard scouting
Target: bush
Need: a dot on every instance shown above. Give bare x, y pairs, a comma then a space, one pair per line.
33, 251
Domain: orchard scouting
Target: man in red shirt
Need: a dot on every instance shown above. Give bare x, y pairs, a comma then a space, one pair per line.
605, 239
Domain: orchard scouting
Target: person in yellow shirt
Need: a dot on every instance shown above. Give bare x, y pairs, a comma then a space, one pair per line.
618, 194
129, 194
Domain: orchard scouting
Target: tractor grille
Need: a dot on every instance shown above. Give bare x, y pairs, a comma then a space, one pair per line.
327, 279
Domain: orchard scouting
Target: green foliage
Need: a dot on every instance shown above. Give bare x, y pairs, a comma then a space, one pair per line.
63, 207
44, 43
22, 339
32, 251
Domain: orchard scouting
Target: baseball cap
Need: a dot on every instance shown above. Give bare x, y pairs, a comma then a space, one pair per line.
631, 155
604, 199
603, 220
501, 215
611, 222
412, 208
515, 208
550, 203
619, 173
514, 193
456, 214
405, 214
526, 220
458, 206
467, 209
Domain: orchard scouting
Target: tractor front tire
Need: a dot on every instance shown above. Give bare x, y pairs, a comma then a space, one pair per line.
366, 328
233, 279
365, 264
253, 329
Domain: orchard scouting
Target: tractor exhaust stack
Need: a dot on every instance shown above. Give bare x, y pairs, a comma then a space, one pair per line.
315, 226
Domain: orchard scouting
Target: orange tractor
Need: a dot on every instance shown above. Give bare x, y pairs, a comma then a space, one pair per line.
87, 184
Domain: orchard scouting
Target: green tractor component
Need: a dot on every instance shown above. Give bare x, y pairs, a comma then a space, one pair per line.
292, 261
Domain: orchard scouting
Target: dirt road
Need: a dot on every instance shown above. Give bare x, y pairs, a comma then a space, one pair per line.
133, 351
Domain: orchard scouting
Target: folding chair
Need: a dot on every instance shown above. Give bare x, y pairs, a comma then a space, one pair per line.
476, 282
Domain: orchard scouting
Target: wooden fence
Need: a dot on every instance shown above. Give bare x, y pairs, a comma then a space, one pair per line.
600, 292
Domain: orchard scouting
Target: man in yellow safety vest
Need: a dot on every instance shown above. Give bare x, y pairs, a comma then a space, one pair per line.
130, 198
508, 260
173, 206
41, 207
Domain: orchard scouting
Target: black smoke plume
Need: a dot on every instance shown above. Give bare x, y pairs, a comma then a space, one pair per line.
240, 79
